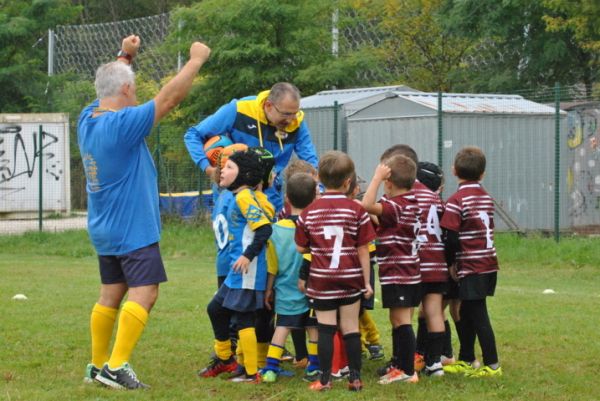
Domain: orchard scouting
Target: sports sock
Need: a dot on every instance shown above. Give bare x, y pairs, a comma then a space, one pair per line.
395, 346
313, 357
435, 343
239, 354
483, 328
352, 343
274, 357
299, 340
261, 354
447, 348
421, 336
102, 323
249, 348
132, 322
325, 349
406, 346
223, 349
466, 336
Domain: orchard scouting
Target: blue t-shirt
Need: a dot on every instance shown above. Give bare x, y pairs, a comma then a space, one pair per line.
221, 229
122, 187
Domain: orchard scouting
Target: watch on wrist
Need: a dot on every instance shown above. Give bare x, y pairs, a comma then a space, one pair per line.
124, 54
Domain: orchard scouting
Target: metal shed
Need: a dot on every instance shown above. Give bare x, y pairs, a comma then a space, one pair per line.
326, 119
517, 136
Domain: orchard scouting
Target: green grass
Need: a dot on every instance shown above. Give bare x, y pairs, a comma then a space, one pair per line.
547, 343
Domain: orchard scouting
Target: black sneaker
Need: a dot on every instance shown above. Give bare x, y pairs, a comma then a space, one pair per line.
91, 371
382, 371
123, 378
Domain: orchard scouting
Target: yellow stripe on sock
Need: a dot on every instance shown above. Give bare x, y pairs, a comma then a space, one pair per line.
223, 349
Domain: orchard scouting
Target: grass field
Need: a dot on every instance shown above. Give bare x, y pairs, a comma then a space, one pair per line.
548, 344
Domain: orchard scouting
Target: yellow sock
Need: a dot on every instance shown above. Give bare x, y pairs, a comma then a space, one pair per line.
223, 349
248, 342
132, 321
261, 354
102, 323
369, 328
239, 354
312, 348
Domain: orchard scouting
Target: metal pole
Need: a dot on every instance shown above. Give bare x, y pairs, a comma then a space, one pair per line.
440, 144
557, 162
40, 186
335, 125
179, 57
335, 33
50, 52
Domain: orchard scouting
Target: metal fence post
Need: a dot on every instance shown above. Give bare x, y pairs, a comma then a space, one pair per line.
440, 144
50, 52
557, 162
40, 186
335, 125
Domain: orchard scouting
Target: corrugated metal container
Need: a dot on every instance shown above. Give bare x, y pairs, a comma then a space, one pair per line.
328, 125
517, 136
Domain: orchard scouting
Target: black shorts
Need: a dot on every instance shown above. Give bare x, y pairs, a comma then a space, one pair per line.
332, 304
438, 287
401, 295
141, 267
296, 321
477, 286
452, 290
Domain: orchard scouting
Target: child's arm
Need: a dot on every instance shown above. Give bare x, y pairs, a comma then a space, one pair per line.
452, 245
303, 274
269, 291
364, 258
382, 172
261, 236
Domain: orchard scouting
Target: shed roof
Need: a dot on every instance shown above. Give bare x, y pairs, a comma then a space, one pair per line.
344, 96
477, 103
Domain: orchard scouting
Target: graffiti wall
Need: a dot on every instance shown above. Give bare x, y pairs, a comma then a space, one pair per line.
20, 154
583, 175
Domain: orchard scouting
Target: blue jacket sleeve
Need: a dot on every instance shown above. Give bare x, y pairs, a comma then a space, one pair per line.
218, 123
304, 147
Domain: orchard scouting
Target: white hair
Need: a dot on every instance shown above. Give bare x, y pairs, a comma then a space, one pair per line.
110, 77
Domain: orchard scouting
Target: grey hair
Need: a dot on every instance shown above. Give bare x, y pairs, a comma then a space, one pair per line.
110, 77
283, 89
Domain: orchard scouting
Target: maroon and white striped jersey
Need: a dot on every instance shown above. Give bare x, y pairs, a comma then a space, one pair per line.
470, 212
397, 242
333, 227
431, 250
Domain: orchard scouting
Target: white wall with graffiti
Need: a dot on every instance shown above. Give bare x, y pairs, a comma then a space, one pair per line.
20, 163
583, 175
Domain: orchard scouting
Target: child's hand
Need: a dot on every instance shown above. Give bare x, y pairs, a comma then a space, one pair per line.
453, 272
382, 172
241, 265
302, 286
368, 291
268, 298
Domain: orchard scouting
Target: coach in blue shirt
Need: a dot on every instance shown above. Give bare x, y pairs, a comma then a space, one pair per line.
123, 214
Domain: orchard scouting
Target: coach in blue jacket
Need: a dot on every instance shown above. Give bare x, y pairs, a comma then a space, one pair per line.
272, 120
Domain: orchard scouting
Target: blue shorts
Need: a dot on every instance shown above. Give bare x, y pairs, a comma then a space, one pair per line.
240, 299
141, 267
300, 321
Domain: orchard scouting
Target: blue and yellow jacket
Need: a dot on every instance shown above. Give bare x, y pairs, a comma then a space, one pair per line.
244, 121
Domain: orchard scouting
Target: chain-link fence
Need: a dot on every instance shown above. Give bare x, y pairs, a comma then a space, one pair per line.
543, 160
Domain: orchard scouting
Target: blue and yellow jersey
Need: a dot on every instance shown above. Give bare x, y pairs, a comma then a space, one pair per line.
221, 229
244, 121
245, 215
284, 262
